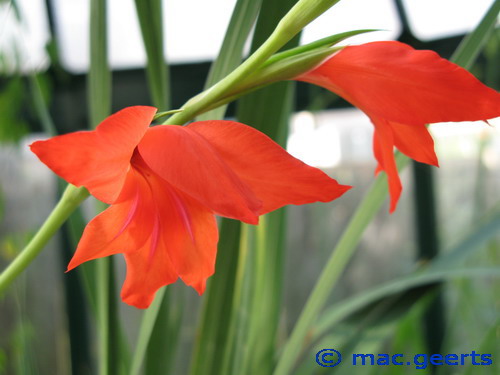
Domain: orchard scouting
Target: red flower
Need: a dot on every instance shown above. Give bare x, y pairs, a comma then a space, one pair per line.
165, 184
402, 90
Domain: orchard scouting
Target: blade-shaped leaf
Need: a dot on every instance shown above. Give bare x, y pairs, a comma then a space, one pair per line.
149, 13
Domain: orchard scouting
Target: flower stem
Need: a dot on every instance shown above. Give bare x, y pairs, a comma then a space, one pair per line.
333, 270
70, 200
294, 21
216, 92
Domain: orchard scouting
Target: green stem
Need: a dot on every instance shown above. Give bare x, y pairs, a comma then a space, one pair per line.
333, 270
70, 200
216, 92
294, 21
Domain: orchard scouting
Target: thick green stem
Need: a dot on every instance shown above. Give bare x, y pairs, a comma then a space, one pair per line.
70, 200
215, 93
294, 21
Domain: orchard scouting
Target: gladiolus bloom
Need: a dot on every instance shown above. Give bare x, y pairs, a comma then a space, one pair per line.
401, 90
165, 184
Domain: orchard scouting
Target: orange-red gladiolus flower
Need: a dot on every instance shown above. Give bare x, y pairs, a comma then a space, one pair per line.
165, 184
402, 90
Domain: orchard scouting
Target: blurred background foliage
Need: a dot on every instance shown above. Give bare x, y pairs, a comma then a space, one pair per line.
264, 274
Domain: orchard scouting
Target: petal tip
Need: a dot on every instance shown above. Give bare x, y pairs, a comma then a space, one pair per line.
200, 286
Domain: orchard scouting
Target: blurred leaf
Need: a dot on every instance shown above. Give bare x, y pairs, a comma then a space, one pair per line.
99, 77
40, 106
212, 339
147, 324
12, 102
2, 204
442, 268
472, 44
408, 338
15, 7
22, 347
99, 100
161, 354
231, 52
490, 346
3, 362
150, 20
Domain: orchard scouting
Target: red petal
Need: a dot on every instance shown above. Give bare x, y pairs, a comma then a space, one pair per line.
183, 243
276, 177
146, 274
123, 227
401, 90
100, 159
383, 147
189, 163
393, 81
415, 142
190, 233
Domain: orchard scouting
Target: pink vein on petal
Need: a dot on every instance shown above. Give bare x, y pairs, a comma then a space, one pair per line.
154, 237
184, 214
131, 213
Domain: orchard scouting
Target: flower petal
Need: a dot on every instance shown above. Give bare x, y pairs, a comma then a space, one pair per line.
99, 159
383, 148
415, 142
146, 274
402, 90
190, 233
189, 163
183, 242
393, 81
276, 177
121, 228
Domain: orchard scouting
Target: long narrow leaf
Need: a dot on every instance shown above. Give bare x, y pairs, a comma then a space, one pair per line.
214, 326
443, 267
472, 45
99, 98
231, 52
150, 20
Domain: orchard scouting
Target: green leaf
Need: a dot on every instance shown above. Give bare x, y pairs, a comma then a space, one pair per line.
12, 127
442, 268
472, 44
488, 346
99, 78
147, 325
99, 97
41, 108
212, 338
150, 20
164, 341
231, 52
